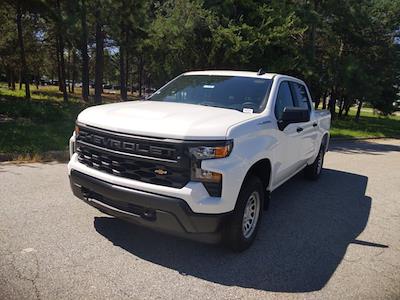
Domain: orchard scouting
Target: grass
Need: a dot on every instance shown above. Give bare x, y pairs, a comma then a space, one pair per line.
369, 125
30, 128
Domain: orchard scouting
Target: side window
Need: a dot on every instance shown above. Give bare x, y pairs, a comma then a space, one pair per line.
300, 94
283, 99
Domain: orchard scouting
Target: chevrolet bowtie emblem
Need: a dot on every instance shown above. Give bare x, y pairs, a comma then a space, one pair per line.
160, 172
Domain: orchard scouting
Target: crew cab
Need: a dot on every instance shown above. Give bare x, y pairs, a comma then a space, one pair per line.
200, 156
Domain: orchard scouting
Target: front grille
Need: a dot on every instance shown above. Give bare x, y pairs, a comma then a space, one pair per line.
150, 161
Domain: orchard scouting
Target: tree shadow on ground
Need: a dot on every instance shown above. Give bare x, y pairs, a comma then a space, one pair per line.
302, 239
363, 146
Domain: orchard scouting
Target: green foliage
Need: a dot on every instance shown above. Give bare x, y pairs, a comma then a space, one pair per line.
35, 126
180, 38
342, 49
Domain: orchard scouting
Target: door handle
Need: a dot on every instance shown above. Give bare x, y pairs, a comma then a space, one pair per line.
314, 124
299, 129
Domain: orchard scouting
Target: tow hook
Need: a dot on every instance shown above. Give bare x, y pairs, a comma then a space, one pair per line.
86, 194
149, 214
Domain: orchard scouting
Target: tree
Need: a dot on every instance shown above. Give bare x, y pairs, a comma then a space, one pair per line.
84, 52
122, 60
24, 69
344, 50
99, 67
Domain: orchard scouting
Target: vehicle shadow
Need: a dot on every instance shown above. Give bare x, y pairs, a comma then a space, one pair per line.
302, 240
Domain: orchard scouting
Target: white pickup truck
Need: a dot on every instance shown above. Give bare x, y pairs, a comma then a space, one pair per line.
200, 156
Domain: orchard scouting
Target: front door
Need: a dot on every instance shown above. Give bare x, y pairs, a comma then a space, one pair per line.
289, 148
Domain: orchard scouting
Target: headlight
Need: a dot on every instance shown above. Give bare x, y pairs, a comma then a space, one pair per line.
199, 174
212, 181
209, 152
76, 129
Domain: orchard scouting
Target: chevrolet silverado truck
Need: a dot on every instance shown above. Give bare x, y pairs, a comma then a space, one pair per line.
200, 156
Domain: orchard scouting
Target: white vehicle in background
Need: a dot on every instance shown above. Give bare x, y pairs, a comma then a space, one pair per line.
396, 105
201, 155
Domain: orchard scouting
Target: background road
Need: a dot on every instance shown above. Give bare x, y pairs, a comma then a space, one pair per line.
338, 237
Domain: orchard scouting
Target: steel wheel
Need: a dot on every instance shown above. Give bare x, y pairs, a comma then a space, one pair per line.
251, 213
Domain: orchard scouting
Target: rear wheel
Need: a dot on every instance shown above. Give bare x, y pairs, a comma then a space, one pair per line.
314, 170
243, 225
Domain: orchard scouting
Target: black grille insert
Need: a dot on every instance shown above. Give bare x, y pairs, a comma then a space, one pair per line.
104, 152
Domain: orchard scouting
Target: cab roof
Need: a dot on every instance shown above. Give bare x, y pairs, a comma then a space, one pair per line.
231, 73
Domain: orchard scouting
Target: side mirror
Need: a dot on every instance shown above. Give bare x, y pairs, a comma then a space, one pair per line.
293, 115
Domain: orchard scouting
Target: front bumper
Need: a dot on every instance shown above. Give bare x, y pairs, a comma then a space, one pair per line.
163, 213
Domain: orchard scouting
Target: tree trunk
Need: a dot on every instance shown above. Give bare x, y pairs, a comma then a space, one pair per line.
140, 74
12, 75
324, 100
132, 82
85, 56
73, 70
341, 107
62, 68
122, 81
20, 79
99, 65
58, 64
126, 70
61, 53
357, 117
332, 104
24, 69
126, 58
317, 101
313, 33
69, 71
8, 74
347, 109
122, 70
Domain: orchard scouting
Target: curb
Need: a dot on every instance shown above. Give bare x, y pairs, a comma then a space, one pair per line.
59, 156
344, 139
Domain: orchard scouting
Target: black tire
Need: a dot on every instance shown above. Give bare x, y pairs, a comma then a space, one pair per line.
314, 170
234, 234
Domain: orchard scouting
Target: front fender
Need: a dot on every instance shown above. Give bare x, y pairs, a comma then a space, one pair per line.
247, 150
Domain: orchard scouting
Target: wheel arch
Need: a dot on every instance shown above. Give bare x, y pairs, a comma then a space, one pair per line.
325, 141
261, 169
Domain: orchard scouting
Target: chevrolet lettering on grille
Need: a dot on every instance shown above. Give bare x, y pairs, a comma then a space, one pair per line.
127, 146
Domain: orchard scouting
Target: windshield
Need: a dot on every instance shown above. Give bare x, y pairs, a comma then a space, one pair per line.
234, 92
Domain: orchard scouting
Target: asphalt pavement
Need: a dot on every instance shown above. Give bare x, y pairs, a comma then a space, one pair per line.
335, 238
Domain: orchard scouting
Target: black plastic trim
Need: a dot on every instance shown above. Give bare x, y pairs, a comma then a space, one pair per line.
214, 189
171, 214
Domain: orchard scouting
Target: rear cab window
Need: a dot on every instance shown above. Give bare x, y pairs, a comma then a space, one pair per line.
300, 95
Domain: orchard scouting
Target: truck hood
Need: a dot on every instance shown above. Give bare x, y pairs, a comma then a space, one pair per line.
164, 119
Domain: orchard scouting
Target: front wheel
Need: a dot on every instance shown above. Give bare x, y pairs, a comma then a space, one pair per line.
314, 170
243, 225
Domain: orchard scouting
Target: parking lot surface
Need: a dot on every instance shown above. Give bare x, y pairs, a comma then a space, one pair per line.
335, 238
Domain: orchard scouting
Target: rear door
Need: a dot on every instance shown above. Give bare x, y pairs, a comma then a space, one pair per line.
309, 132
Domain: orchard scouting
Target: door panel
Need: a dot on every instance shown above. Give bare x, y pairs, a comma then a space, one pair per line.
288, 151
309, 134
